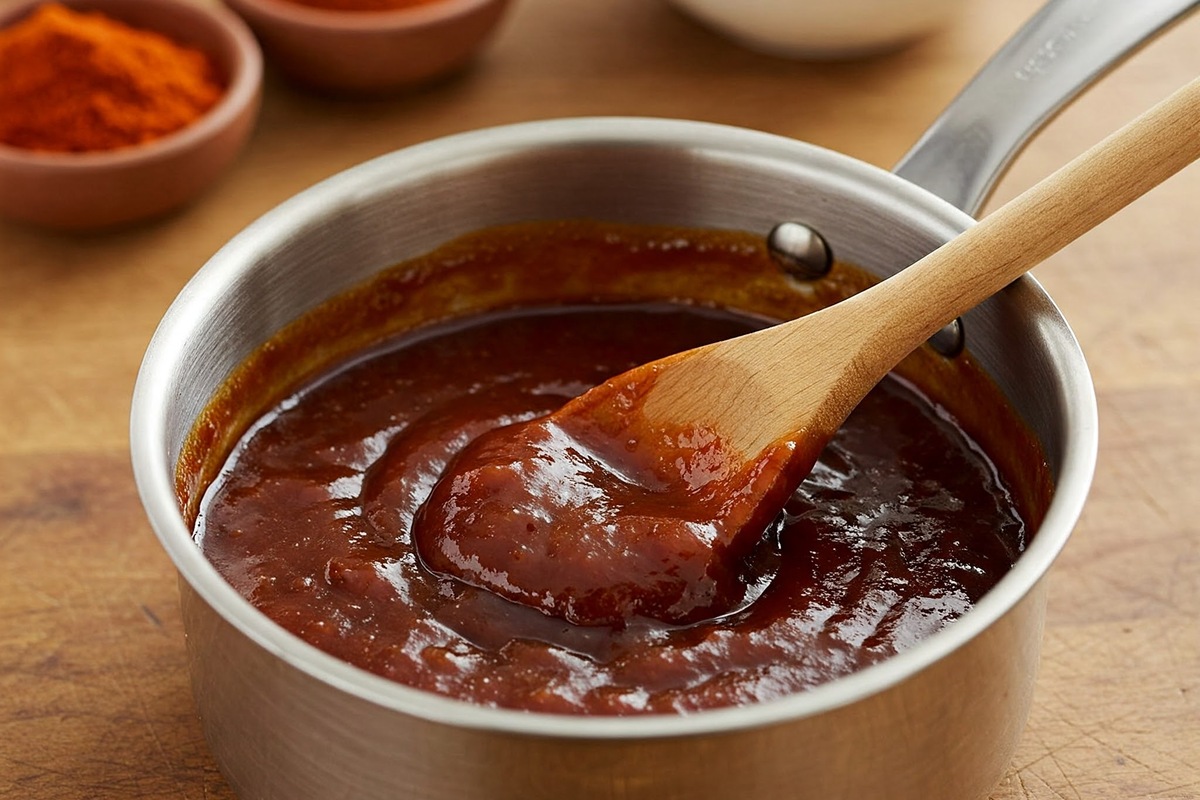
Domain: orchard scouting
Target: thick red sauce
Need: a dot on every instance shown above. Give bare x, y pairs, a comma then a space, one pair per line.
902, 525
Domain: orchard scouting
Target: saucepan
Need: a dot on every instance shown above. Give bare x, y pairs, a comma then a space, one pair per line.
940, 720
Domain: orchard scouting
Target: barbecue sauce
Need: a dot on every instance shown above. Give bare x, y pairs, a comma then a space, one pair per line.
903, 524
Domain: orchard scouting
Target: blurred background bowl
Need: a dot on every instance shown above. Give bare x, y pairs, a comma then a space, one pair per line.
370, 52
103, 188
821, 29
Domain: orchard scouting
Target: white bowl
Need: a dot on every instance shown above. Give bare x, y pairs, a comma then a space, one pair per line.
821, 29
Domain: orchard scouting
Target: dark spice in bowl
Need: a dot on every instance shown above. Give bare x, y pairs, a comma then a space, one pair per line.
363, 5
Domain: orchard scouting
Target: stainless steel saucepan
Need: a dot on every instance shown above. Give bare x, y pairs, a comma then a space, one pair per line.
941, 720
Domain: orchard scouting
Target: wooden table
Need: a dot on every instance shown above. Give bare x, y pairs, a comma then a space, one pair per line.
94, 697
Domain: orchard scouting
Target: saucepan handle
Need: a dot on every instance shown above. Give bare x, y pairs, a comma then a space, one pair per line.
1065, 47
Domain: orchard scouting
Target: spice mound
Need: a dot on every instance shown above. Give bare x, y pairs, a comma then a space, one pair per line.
77, 82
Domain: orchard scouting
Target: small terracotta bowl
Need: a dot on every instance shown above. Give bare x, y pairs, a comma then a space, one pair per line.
370, 52
84, 191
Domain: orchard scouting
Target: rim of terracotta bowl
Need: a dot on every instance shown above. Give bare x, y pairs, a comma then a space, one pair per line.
390, 20
245, 78
155, 383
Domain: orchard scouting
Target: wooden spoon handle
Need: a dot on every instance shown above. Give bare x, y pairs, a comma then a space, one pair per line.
1030, 228
799, 380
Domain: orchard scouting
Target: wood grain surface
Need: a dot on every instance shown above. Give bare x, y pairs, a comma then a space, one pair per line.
94, 698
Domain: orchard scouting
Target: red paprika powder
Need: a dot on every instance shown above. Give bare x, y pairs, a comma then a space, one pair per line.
72, 81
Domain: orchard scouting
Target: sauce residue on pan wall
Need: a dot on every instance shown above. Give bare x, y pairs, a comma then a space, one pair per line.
902, 526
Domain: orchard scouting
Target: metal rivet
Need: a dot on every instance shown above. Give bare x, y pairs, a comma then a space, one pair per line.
800, 250
949, 341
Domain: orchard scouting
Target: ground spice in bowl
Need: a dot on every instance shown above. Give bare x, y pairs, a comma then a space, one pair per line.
81, 81
363, 5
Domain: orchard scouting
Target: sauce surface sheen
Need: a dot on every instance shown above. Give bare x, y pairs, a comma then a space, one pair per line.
902, 525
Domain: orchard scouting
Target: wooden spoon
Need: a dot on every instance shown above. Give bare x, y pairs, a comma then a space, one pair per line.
641, 497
